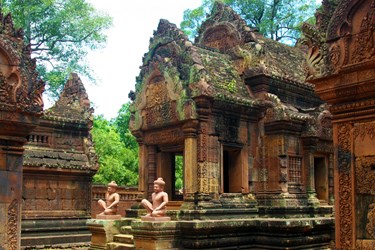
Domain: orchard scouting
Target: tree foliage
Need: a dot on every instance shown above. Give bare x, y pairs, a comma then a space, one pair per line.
60, 32
280, 20
121, 123
116, 161
179, 172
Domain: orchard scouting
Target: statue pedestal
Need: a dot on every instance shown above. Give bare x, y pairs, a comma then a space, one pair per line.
108, 217
155, 234
150, 218
102, 231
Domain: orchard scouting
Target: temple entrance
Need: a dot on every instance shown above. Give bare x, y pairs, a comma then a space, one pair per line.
177, 178
232, 170
321, 178
170, 168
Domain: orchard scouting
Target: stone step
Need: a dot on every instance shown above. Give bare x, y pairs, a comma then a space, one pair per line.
120, 246
34, 240
126, 221
123, 238
126, 230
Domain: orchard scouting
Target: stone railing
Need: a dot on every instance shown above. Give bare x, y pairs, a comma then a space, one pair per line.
128, 196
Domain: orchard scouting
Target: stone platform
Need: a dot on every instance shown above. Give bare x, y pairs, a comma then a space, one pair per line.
150, 218
108, 217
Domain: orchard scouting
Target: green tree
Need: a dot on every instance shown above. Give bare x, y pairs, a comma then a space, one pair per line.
280, 20
121, 123
116, 162
178, 172
60, 33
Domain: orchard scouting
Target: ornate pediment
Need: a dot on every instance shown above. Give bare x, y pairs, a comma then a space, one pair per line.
224, 29
161, 101
73, 103
20, 88
342, 38
351, 33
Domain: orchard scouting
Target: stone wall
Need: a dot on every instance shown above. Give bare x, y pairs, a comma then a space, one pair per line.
343, 71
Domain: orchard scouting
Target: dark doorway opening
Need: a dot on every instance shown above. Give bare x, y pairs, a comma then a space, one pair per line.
321, 178
232, 170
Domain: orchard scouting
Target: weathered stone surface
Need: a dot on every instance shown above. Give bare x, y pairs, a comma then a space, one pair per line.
103, 231
343, 74
20, 108
149, 218
59, 163
108, 217
155, 234
255, 138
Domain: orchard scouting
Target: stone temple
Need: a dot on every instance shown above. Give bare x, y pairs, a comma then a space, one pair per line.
255, 138
277, 142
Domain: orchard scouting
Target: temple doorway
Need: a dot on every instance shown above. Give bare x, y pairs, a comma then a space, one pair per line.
321, 178
170, 168
231, 170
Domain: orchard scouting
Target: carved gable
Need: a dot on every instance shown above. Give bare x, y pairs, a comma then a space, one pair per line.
224, 29
20, 88
351, 33
21, 105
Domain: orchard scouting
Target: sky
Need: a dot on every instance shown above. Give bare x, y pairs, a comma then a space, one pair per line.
116, 66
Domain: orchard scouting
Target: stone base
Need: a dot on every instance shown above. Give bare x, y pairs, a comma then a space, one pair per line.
108, 217
157, 235
102, 231
150, 218
54, 232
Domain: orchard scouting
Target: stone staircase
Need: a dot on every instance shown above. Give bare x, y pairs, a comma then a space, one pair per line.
124, 240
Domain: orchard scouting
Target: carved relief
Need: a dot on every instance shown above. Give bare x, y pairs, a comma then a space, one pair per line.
221, 37
20, 87
317, 61
365, 129
345, 189
156, 92
370, 226
325, 124
365, 175
12, 226
348, 31
313, 62
364, 41
160, 105
335, 56
202, 157
167, 136
228, 128
161, 114
224, 29
365, 245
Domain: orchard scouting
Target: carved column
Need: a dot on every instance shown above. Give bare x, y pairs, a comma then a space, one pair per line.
13, 132
151, 169
203, 109
142, 162
10, 191
309, 147
190, 159
142, 169
331, 180
344, 183
21, 105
